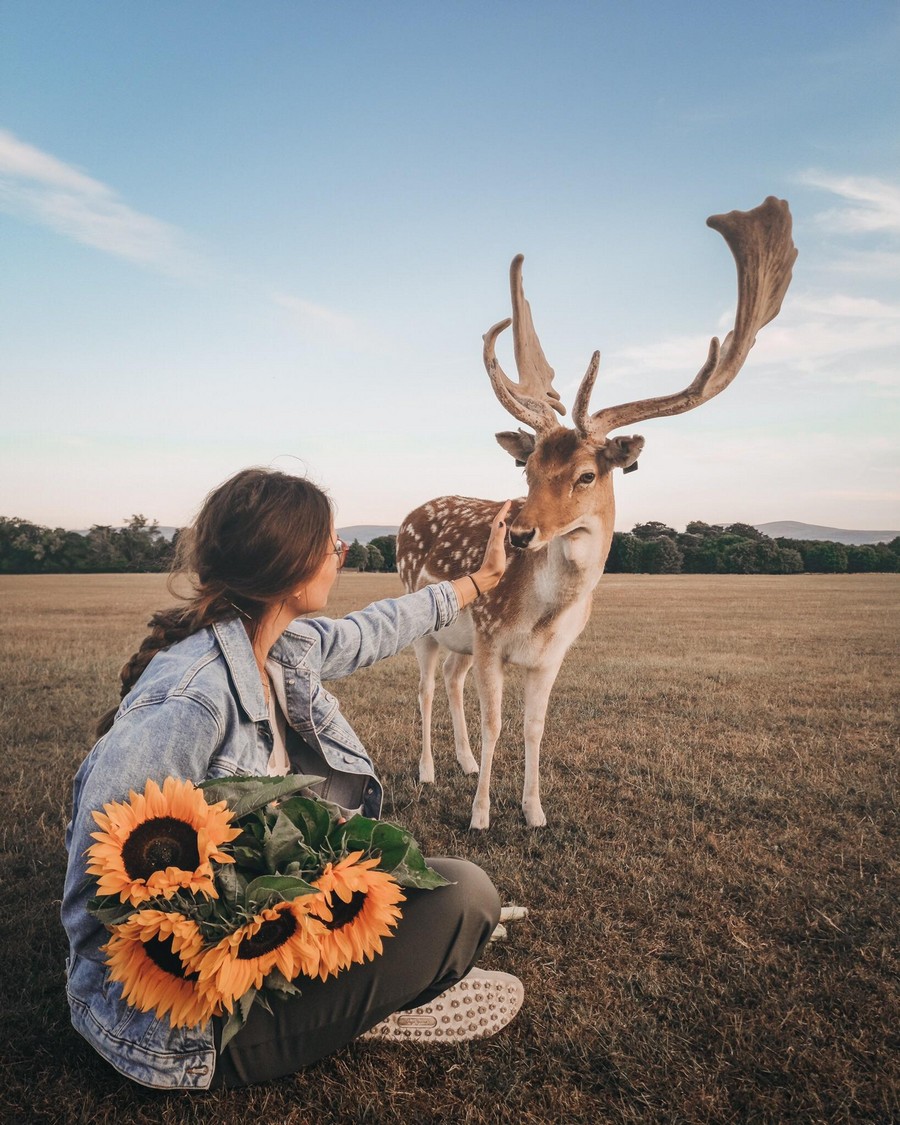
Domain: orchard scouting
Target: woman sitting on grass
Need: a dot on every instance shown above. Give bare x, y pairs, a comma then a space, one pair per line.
229, 684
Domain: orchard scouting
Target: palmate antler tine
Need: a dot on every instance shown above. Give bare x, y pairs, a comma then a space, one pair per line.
532, 400
532, 412
764, 253
535, 373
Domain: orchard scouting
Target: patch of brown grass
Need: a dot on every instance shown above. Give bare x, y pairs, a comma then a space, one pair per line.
714, 905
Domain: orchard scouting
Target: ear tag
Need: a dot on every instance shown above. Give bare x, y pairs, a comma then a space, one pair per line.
631, 468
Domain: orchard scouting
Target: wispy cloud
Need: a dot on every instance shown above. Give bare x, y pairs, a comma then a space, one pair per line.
317, 317
839, 336
321, 324
867, 204
39, 188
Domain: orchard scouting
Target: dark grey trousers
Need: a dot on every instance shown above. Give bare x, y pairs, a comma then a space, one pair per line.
438, 939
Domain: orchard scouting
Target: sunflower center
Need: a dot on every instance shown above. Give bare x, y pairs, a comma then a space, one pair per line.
160, 953
163, 841
344, 912
269, 936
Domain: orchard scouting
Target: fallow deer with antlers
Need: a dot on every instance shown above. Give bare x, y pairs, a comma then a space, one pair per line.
560, 534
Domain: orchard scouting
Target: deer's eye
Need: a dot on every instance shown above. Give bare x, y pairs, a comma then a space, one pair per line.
586, 478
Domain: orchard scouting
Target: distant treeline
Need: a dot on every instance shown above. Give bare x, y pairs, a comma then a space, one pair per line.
26, 548
738, 548
138, 547
649, 548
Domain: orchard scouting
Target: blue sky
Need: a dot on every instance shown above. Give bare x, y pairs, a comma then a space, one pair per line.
274, 233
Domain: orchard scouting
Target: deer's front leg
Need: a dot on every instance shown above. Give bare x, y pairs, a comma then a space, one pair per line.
538, 685
489, 679
427, 650
456, 668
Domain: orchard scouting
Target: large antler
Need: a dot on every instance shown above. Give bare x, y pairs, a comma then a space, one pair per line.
763, 249
532, 400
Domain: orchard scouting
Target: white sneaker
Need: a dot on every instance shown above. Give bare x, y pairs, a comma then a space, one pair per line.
479, 1005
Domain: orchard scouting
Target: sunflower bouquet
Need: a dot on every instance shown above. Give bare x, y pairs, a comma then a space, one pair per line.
231, 892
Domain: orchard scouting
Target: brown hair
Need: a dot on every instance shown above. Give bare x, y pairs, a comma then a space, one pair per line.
256, 537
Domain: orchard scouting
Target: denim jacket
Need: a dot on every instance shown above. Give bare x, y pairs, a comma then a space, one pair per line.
199, 711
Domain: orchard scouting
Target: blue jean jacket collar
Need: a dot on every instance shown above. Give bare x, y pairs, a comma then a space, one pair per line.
241, 660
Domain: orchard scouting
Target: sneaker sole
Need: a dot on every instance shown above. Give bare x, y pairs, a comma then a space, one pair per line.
474, 1008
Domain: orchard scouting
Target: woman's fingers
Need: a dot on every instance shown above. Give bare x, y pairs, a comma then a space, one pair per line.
498, 525
495, 553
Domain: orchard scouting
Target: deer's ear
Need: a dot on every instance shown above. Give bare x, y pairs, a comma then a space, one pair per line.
621, 452
518, 443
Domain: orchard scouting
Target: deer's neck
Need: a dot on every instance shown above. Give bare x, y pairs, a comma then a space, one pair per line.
570, 567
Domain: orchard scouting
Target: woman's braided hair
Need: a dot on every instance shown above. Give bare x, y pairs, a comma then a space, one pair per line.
256, 538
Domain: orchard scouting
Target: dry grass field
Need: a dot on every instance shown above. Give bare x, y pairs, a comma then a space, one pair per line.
713, 908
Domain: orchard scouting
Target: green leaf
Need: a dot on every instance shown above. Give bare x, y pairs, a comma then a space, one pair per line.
400, 856
422, 878
355, 835
263, 1000
237, 1018
250, 857
253, 830
110, 910
397, 851
310, 816
230, 883
286, 843
246, 794
276, 981
245, 1003
280, 888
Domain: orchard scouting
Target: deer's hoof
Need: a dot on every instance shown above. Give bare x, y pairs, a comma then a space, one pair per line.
534, 817
426, 776
481, 819
468, 765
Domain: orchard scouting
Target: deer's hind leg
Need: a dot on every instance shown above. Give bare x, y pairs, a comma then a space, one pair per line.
456, 668
427, 651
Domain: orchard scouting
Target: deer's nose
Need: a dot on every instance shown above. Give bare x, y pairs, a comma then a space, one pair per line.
521, 539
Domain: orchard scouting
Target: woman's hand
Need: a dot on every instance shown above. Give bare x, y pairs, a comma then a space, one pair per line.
492, 566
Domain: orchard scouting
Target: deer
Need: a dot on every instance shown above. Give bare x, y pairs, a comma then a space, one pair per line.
560, 533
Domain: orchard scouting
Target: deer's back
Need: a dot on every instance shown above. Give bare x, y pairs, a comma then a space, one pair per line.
445, 538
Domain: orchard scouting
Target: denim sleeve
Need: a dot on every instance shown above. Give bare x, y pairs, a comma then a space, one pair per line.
381, 629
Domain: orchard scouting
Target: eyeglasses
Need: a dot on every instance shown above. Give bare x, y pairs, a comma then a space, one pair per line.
341, 549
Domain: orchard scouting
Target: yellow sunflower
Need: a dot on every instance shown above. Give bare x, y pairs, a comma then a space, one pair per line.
359, 908
158, 842
151, 956
284, 936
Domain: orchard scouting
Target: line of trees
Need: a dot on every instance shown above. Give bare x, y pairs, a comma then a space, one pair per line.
649, 548
139, 546
738, 548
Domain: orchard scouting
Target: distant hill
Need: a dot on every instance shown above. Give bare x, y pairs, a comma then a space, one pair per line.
366, 532
790, 529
